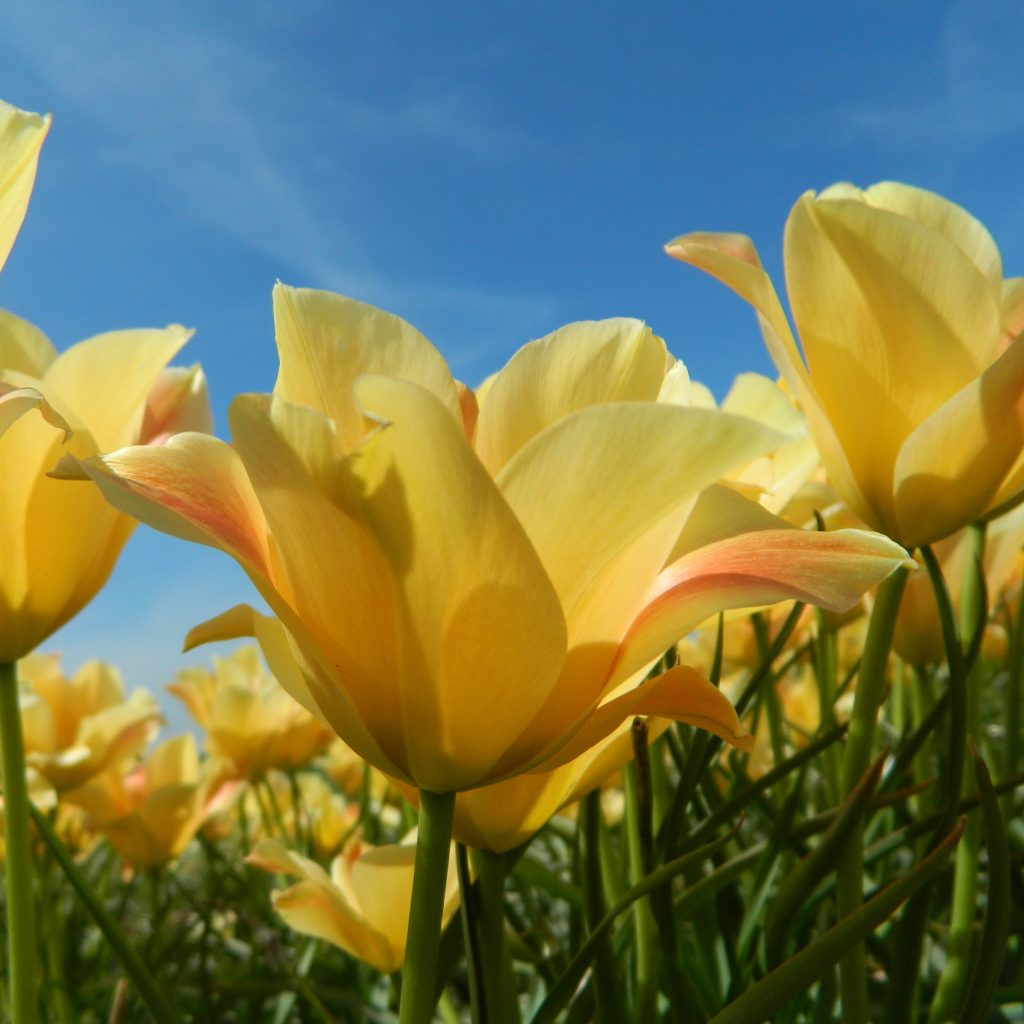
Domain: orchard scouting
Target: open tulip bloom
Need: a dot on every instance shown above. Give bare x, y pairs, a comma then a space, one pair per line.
901, 307
460, 583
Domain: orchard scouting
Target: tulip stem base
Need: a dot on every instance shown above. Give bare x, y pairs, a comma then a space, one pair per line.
859, 745
419, 974
21, 930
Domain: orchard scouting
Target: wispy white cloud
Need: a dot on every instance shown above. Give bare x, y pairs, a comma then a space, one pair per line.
239, 138
975, 92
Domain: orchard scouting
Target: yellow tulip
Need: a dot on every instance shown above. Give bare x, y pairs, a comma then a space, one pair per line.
362, 906
150, 814
459, 608
21, 138
913, 384
75, 728
248, 718
60, 542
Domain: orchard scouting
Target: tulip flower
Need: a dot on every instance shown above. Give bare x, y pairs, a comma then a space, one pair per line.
913, 384
248, 718
75, 728
459, 607
21, 138
362, 906
61, 542
150, 814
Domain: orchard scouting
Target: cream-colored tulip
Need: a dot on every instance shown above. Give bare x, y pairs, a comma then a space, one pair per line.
76, 727
362, 906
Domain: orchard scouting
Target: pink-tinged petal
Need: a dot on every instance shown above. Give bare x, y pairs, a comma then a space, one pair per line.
21, 137
581, 364
953, 466
830, 570
483, 636
178, 402
681, 694
326, 341
193, 487
1012, 309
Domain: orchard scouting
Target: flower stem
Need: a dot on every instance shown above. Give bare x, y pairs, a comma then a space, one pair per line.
859, 744
419, 974
21, 933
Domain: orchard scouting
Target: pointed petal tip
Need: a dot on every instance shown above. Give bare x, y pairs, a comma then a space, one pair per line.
69, 468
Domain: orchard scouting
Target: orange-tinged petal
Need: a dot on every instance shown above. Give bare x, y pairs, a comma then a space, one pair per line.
952, 467
581, 364
326, 341
177, 402
832, 570
21, 137
681, 694
483, 637
193, 487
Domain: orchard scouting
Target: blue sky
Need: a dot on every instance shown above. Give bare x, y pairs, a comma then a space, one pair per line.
487, 171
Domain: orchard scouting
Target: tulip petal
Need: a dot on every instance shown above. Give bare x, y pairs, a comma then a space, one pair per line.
681, 694
21, 137
733, 260
326, 341
23, 347
954, 464
78, 382
482, 628
953, 222
878, 297
194, 487
604, 530
831, 570
15, 402
581, 364
331, 586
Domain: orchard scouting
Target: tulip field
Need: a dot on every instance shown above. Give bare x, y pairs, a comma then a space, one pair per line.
574, 696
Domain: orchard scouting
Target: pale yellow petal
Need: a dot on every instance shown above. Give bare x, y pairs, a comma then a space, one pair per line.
326, 341
893, 318
23, 347
102, 384
581, 364
483, 637
953, 466
21, 137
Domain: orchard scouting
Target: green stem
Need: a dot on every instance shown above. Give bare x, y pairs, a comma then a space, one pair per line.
21, 930
604, 974
499, 996
859, 743
645, 1003
419, 985
470, 916
956, 970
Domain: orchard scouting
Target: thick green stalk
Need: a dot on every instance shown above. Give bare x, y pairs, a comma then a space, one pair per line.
645, 1004
499, 997
604, 974
419, 985
21, 927
956, 970
859, 744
